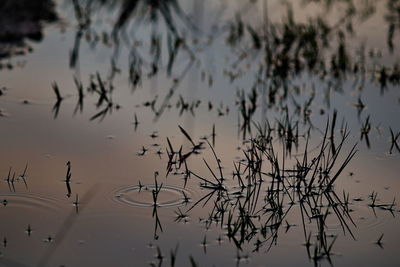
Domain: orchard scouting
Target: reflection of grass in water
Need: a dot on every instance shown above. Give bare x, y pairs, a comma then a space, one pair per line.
154, 12
286, 49
255, 210
394, 141
310, 182
280, 51
258, 212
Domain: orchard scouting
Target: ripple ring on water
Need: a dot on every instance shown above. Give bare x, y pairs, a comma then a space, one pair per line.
29, 201
169, 196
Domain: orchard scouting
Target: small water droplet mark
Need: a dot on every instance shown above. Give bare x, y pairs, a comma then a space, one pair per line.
49, 239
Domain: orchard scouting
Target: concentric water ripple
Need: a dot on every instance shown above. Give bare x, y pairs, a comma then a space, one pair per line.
169, 196
30, 202
363, 217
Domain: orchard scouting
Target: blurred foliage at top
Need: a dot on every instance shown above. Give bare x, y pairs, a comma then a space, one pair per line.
21, 20
159, 32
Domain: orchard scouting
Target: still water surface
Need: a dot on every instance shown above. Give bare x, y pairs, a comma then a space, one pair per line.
309, 64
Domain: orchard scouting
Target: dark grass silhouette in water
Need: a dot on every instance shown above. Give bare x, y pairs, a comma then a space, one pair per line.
12, 179
297, 46
255, 211
68, 179
268, 185
98, 87
317, 47
256, 208
153, 12
394, 141
59, 99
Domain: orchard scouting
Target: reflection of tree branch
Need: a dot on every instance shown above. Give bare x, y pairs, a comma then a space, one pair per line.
65, 228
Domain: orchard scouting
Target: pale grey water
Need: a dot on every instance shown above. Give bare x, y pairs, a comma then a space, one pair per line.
111, 229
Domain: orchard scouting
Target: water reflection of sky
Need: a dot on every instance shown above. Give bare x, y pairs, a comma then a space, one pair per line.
105, 153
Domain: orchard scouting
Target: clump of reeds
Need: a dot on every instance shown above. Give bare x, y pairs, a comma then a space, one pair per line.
258, 210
